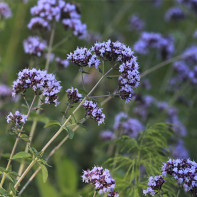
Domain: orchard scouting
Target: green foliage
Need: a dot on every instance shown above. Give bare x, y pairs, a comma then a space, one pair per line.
21, 155
52, 123
137, 159
70, 132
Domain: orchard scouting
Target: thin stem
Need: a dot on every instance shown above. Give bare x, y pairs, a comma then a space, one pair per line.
15, 144
55, 149
61, 42
35, 121
94, 194
61, 128
50, 48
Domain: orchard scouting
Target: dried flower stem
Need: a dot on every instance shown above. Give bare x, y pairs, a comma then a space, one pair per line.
61, 128
16, 143
94, 194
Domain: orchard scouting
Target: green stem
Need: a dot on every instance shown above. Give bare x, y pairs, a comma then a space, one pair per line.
15, 144
94, 194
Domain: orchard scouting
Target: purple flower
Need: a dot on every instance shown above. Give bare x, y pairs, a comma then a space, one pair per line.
62, 63
16, 118
83, 57
101, 179
155, 184
191, 4
73, 95
179, 150
128, 79
5, 11
39, 23
70, 11
190, 54
184, 171
5, 92
107, 135
40, 82
34, 46
136, 24
94, 111
175, 13
195, 34
193, 75
48, 9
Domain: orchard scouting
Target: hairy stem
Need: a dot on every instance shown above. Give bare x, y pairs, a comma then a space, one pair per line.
61, 128
16, 143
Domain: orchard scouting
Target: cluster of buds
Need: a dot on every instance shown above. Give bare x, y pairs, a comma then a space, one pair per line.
101, 179
5, 11
16, 118
73, 95
94, 111
40, 82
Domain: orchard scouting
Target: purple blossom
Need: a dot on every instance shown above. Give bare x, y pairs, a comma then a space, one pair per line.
16, 118
40, 82
136, 24
39, 23
191, 4
5, 92
101, 179
179, 150
48, 9
84, 57
34, 46
5, 11
181, 70
107, 135
62, 63
155, 40
128, 79
94, 111
119, 118
184, 171
70, 11
155, 184
195, 34
79, 29
73, 95
174, 13
190, 55
193, 75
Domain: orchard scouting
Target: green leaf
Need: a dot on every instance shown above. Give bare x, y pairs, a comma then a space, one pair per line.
70, 132
4, 192
44, 172
21, 155
24, 137
51, 123
11, 187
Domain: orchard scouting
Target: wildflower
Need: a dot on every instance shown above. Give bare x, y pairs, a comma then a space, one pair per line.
94, 111
83, 57
179, 150
62, 63
73, 95
107, 135
40, 82
193, 75
16, 118
5, 11
101, 179
34, 46
184, 171
174, 13
136, 24
5, 91
155, 185
39, 23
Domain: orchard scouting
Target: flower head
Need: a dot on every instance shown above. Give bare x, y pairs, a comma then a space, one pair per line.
73, 95
16, 118
5, 11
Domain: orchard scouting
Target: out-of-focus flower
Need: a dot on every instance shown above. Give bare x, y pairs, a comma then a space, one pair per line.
62, 63
39, 23
34, 46
107, 135
175, 13
135, 23
5, 11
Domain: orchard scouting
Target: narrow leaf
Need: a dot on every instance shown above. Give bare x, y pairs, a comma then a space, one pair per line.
51, 123
44, 172
21, 155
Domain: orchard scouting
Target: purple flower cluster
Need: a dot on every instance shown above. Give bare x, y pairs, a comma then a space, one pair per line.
147, 40
155, 184
73, 95
48, 10
94, 111
5, 11
5, 92
40, 81
39, 23
195, 34
111, 51
136, 23
175, 13
16, 118
62, 63
34, 46
107, 135
128, 79
84, 57
101, 179
184, 171
191, 4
